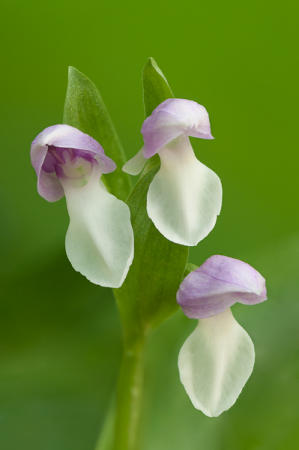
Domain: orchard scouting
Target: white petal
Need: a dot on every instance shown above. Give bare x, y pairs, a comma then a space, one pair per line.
215, 362
135, 165
185, 196
99, 241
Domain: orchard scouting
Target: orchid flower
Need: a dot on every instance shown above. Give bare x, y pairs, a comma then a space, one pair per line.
217, 359
99, 239
185, 196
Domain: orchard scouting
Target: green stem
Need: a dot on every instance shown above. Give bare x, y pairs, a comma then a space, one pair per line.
129, 397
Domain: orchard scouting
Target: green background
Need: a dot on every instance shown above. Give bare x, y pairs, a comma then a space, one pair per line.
60, 336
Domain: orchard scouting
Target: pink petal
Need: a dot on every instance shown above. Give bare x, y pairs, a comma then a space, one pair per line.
172, 118
219, 283
62, 136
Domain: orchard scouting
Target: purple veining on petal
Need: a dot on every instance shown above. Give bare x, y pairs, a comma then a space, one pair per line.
172, 118
49, 163
59, 158
217, 284
54, 151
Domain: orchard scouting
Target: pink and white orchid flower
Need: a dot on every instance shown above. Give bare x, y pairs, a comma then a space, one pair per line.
184, 198
99, 240
217, 359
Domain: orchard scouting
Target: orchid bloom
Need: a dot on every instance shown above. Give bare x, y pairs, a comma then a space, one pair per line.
217, 359
99, 239
185, 196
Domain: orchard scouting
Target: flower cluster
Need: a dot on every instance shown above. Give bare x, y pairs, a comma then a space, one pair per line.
183, 202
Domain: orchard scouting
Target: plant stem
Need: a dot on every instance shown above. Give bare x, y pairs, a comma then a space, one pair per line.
129, 397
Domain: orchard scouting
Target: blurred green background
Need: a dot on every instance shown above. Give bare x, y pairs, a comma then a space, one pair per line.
60, 336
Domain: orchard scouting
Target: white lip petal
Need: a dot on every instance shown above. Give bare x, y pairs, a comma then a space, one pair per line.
135, 165
215, 362
99, 241
185, 196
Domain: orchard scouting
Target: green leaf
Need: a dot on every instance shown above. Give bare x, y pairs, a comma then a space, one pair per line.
155, 86
148, 295
85, 110
190, 268
106, 438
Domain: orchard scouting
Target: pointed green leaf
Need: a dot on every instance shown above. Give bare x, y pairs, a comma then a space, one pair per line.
85, 109
190, 268
155, 86
148, 295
